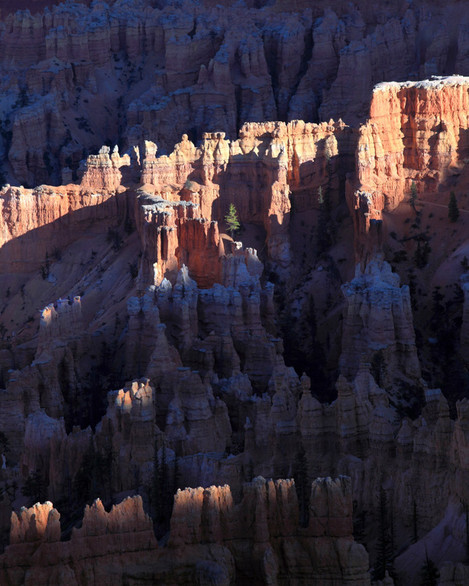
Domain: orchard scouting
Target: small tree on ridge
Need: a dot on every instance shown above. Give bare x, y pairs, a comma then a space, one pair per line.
232, 220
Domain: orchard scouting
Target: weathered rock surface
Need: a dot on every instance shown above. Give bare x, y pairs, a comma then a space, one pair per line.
378, 325
268, 167
35, 223
120, 73
188, 315
416, 132
121, 538
204, 522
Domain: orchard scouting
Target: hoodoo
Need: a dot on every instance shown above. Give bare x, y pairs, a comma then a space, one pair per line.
277, 400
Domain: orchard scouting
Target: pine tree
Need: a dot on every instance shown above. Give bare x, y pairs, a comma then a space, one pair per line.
378, 367
384, 544
413, 194
232, 220
415, 533
35, 487
429, 574
453, 210
466, 513
164, 484
326, 228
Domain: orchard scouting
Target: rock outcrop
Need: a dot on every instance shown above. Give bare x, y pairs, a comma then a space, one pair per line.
121, 537
102, 170
204, 522
37, 222
416, 132
110, 72
272, 509
261, 173
378, 325
189, 316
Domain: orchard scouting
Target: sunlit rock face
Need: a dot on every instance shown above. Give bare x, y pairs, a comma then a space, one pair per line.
144, 350
248, 538
130, 72
415, 138
416, 132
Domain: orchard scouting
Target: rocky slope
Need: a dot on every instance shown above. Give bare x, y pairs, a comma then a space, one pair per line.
129, 275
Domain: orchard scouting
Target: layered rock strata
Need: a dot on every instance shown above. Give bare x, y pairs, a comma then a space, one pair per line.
211, 399
37, 222
378, 325
205, 523
416, 133
269, 168
121, 538
120, 73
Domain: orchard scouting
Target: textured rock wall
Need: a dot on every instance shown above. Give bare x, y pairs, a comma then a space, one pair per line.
204, 522
378, 320
217, 399
37, 222
271, 167
417, 131
35, 539
77, 76
416, 134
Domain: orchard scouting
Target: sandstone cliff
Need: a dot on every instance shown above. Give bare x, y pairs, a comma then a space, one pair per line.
205, 523
146, 287
80, 75
416, 133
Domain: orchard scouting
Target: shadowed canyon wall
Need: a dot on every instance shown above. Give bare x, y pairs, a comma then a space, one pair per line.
78, 76
129, 275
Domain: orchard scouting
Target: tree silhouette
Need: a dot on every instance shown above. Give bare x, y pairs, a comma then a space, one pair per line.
232, 220
453, 210
429, 574
35, 487
302, 485
326, 228
413, 194
384, 544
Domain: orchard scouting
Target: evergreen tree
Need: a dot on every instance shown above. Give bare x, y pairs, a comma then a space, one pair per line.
422, 253
384, 545
94, 477
163, 489
466, 513
453, 210
415, 534
429, 573
35, 487
232, 220
413, 194
3, 443
359, 524
326, 229
378, 367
